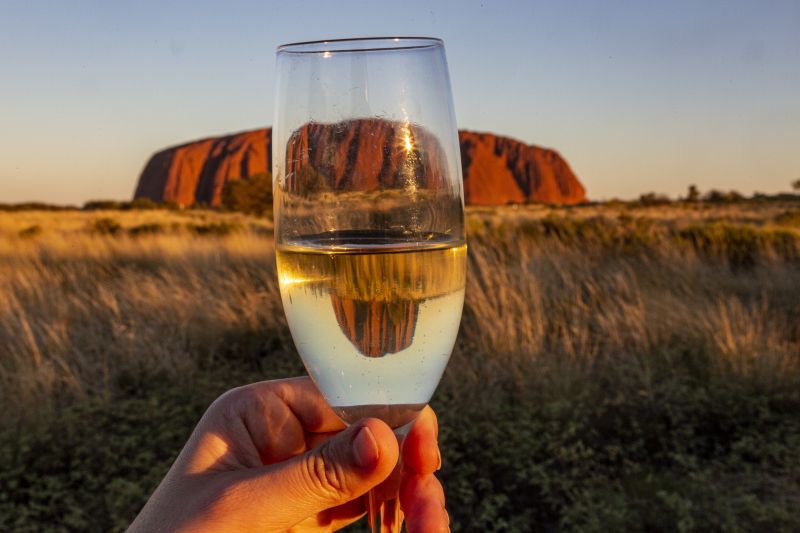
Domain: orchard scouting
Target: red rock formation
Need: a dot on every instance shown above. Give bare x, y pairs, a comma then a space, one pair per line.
337, 152
497, 170
196, 172
376, 327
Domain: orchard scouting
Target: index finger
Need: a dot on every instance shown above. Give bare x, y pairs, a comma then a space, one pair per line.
304, 400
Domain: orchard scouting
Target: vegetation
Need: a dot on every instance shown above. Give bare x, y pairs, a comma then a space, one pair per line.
34, 206
716, 196
106, 226
137, 204
310, 181
627, 367
654, 198
30, 232
251, 195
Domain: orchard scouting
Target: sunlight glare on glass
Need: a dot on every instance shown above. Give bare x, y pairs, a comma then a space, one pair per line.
287, 279
407, 141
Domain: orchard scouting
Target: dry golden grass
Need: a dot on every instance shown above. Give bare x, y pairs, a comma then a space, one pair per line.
79, 310
618, 368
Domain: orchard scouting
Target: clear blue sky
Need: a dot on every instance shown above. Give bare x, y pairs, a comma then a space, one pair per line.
638, 96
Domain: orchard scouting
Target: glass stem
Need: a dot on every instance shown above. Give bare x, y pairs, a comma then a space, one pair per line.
373, 508
391, 518
386, 516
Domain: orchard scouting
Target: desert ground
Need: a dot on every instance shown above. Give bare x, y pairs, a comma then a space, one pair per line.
619, 366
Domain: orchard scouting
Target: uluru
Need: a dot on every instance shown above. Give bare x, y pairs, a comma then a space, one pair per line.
497, 170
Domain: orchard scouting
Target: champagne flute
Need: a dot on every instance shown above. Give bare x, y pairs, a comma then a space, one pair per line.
369, 223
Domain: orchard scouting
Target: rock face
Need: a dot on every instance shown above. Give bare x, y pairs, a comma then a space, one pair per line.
497, 170
365, 155
196, 172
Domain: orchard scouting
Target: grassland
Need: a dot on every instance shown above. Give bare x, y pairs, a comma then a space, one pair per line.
618, 367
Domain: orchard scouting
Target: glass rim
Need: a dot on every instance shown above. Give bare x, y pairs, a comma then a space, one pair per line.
359, 44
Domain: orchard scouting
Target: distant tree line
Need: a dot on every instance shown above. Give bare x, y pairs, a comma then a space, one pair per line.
139, 204
253, 195
716, 196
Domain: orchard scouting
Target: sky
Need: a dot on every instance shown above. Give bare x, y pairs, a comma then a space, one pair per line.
638, 96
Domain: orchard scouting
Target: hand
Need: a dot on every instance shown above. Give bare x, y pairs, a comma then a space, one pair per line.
272, 456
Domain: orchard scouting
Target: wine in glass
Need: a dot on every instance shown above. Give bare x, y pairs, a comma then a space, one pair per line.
369, 220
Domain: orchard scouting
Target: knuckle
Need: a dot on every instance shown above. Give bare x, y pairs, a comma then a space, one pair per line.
326, 476
241, 400
229, 398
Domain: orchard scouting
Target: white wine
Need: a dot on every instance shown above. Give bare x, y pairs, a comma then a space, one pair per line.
375, 319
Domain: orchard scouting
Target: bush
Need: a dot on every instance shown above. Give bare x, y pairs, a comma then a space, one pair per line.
652, 198
741, 245
681, 454
146, 229
214, 229
30, 232
672, 459
716, 196
34, 206
106, 226
106, 462
789, 218
309, 181
143, 204
138, 204
103, 205
249, 195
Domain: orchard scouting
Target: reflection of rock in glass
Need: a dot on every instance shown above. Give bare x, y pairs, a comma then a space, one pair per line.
374, 293
376, 328
364, 155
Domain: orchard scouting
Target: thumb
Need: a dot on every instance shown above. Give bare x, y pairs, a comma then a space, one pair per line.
342, 469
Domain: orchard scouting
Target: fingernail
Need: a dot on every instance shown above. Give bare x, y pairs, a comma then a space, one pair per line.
438, 459
365, 449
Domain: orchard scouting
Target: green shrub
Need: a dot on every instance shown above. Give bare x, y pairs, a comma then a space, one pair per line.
683, 456
102, 467
249, 195
679, 453
106, 226
740, 244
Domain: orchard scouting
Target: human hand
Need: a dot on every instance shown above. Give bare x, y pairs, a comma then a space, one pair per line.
272, 456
